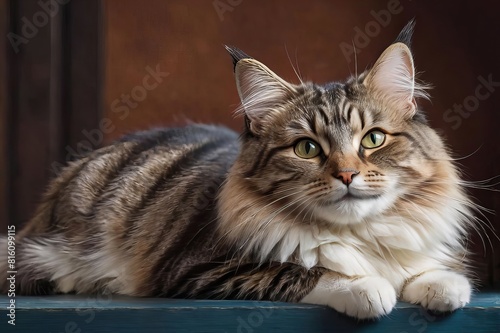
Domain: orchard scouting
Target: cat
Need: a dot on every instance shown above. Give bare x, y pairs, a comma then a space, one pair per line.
337, 194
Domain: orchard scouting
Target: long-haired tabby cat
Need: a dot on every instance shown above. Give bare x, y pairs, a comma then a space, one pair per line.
336, 194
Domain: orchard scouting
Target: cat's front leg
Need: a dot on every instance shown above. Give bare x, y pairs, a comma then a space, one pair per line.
361, 297
438, 290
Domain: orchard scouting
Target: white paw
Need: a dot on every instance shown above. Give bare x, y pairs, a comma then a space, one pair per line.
366, 297
442, 291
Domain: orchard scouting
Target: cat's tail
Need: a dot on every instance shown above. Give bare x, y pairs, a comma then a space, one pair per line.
4, 264
19, 274
21, 252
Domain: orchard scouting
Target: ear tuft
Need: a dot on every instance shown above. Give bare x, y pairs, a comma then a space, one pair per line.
236, 54
261, 91
406, 34
392, 78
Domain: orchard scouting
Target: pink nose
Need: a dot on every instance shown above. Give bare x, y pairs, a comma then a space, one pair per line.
346, 176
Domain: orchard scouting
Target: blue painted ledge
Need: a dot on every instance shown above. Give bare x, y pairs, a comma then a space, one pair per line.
77, 314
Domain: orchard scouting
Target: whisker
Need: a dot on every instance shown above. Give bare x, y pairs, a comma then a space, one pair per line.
291, 63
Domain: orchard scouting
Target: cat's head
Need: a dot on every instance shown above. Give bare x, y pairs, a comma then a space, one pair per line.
340, 152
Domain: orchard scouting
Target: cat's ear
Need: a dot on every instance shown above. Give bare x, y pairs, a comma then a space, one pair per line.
261, 90
392, 78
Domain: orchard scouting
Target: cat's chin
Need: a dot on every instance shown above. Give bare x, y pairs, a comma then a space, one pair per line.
352, 209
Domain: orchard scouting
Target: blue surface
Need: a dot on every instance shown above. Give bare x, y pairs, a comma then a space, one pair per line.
78, 314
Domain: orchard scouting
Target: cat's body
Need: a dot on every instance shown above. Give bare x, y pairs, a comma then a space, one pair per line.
338, 194
139, 206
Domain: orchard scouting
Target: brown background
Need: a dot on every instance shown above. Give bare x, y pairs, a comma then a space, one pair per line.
66, 78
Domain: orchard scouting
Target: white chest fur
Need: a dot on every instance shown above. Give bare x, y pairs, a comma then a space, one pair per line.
393, 249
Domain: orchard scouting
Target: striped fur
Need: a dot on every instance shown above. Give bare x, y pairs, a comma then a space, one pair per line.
198, 212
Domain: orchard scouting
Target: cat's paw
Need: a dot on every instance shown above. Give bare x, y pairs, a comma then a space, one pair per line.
363, 298
367, 297
442, 291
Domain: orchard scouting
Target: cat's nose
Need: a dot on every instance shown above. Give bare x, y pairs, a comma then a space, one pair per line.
346, 176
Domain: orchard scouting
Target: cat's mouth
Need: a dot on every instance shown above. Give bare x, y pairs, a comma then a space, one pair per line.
350, 197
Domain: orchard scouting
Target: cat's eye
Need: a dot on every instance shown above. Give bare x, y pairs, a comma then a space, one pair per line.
307, 149
373, 139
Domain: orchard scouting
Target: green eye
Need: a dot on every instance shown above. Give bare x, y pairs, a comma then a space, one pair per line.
373, 139
307, 149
